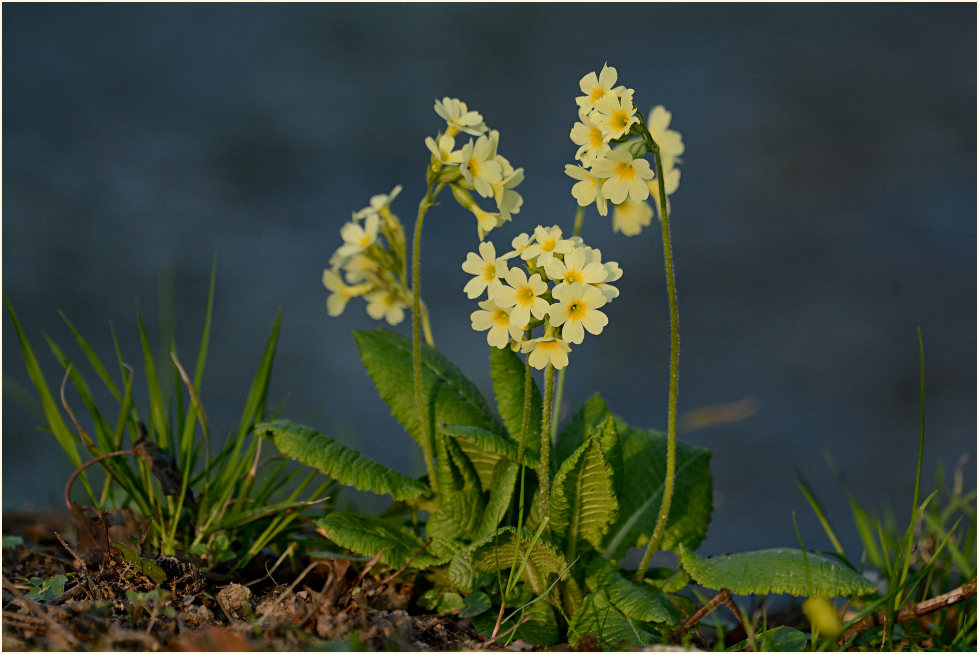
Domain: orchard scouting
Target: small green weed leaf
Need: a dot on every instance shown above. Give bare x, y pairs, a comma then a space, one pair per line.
780, 570
314, 449
476, 603
141, 565
507, 372
599, 618
583, 502
780, 639
451, 399
12, 541
639, 602
591, 414
643, 475
368, 535
46, 590
501, 493
450, 602
460, 494
496, 552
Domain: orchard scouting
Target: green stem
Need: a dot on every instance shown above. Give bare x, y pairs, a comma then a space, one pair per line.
579, 216
428, 444
524, 429
544, 472
674, 360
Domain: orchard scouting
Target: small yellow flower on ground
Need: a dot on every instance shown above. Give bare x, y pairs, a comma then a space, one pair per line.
487, 268
576, 310
822, 616
630, 217
544, 350
496, 319
387, 305
522, 296
624, 176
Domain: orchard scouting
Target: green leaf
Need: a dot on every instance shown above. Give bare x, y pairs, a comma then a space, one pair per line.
368, 535
540, 627
490, 443
12, 541
314, 449
779, 639
507, 371
496, 552
47, 589
780, 570
501, 494
643, 476
450, 398
599, 618
637, 602
591, 414
460, 495
583, 502
141, 565
478, 602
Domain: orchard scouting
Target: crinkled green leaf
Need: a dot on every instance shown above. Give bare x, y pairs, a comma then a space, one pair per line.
501, 494
495, 552
540, 627
507, 371
478, 602
368, 535
583, 502
598, 617
780, 639
492, 444
779, 570
591, 414
314, 449
643, 475
639, 602
451, 399
460, 494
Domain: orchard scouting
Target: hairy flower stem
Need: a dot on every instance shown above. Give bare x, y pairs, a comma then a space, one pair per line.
427, 438
664, 510
579, 216
524, 429
544, 471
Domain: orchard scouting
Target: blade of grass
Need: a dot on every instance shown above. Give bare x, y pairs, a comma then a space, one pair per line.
818, 510
158, 425
93, 358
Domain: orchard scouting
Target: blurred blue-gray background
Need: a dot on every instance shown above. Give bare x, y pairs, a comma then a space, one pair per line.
827, 209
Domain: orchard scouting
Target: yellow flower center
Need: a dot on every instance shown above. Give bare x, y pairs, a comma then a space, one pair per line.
473, 166
547, 345
596, 94
526, 296
576, 310
489, 272
625, 170
364, 240
501, 317
573, 276
596, 138
548, 245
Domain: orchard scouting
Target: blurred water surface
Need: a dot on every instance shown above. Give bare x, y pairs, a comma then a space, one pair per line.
826, 210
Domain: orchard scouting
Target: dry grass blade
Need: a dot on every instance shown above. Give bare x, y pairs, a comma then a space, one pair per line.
720, 598
367, 568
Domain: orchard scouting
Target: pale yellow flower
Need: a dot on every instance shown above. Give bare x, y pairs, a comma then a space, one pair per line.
575, 268
487, 268
589, 136
519, 244
387, 305
357, 238
614, 115
444, 149
340, 293
548, 241
624, 176
380, 204
508, 201
588, 189
670, 141
595, 87
628, 218
497, 320
458, 117
544, 350
577, 310
479, 166
522, 295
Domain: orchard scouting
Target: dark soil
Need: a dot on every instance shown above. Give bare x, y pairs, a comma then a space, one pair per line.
109, 604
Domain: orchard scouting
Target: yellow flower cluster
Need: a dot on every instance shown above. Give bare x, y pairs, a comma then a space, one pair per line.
476, 166
607, 117
371, 263
562, 286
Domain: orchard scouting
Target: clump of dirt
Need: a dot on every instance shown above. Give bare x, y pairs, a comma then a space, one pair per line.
113, 600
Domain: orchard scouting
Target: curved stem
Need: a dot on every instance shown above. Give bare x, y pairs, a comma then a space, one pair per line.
428, 445
664, 511
544, 472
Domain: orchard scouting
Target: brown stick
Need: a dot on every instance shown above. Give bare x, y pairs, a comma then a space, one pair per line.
721, 597
960, 594
394, 575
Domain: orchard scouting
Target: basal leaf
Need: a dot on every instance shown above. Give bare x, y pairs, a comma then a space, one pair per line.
540, 627
507, 372
599, 618
780, 570
451, 399
639, 602
368, 535
491, 443
460, 494
643, 475
583, 502
501, 494
496, 552
314, 449
591, 414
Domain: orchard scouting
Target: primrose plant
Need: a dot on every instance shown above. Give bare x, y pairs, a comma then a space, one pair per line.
520, 525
